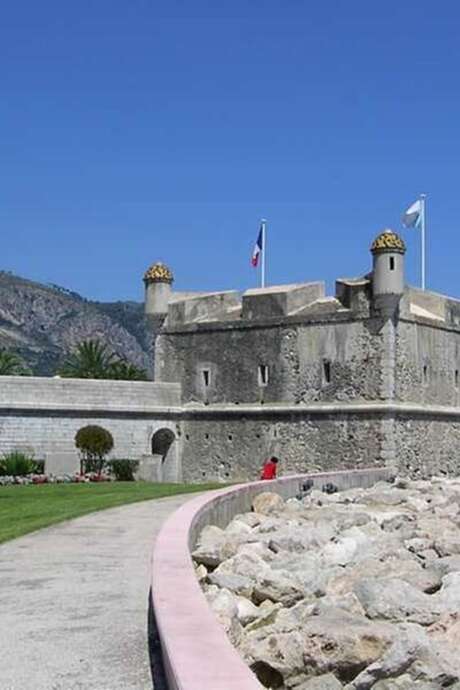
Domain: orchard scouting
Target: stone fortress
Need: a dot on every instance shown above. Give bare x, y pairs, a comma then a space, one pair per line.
369, 377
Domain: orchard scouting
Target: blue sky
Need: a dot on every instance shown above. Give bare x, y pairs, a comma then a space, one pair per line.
139, 130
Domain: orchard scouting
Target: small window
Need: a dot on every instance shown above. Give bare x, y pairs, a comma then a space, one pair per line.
456, 378
263, 374
230, 437
206, 378
425, 373
392, 263
326, 371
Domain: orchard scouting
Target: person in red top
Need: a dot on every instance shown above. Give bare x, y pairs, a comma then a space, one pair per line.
269, 469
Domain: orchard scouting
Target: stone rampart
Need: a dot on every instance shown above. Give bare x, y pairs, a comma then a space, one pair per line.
42, 415
197, 654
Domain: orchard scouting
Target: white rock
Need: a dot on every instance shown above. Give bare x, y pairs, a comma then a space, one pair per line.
267, 502
246, 611
394, 599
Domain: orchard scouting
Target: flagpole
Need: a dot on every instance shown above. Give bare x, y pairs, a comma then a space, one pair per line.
262, 274
423, 202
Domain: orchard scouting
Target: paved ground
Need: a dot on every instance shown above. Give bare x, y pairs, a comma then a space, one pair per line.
73, 602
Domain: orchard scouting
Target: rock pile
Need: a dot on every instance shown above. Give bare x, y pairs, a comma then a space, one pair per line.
358, 589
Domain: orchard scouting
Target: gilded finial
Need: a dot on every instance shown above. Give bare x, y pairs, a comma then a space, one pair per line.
388, 241
158, 273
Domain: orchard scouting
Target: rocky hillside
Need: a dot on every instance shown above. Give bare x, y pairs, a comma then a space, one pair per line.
43, 323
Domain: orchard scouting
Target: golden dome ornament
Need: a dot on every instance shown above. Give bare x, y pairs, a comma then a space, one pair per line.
158, 273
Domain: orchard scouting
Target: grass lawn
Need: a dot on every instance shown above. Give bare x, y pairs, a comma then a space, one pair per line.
25, 509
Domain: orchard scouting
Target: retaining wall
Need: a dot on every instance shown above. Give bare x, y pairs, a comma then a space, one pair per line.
197, 654
42, 415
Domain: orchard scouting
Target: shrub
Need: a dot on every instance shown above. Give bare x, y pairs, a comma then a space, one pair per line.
94, 443
17, 464
39, 466
124, 469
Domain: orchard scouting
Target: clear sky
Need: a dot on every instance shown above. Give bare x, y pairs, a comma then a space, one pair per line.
136, 130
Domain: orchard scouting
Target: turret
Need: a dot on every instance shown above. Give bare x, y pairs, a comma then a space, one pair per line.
158, 280
388, 251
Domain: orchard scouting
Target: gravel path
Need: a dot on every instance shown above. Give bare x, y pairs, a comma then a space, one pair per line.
73, 601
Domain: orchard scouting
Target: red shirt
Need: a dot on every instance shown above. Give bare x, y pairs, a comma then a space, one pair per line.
269, 470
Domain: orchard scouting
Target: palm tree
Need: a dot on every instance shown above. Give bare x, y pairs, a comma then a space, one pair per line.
91, 360
123, 370
11, 364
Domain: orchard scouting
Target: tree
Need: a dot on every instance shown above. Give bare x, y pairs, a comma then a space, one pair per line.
11, 364
123, 370
94, 443
91, 360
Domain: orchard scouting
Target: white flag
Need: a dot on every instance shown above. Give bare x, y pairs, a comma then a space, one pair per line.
413, 215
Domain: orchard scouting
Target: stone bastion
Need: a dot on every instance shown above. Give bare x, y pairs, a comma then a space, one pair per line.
196, 652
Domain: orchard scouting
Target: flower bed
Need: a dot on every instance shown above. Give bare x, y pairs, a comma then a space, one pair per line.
10, 480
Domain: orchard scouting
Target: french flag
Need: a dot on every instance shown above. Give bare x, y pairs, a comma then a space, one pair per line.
258, 247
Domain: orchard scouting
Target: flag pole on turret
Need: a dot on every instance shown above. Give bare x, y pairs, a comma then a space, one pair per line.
259, 249
415, 217
263, 227
422, 228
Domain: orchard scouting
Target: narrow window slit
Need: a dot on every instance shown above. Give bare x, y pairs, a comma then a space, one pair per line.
263, 374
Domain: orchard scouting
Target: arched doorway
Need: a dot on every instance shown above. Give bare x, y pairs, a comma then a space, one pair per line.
164, 448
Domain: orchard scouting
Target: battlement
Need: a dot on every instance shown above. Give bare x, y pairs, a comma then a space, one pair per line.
256, 304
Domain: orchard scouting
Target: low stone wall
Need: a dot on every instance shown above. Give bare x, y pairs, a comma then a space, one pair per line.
42, 415
197, 654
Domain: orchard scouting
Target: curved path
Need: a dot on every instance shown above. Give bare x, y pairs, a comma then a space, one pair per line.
73, 601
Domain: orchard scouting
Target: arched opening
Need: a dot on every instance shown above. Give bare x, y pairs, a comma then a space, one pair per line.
163, 447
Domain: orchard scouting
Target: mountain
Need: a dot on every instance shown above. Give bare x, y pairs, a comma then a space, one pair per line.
43, 323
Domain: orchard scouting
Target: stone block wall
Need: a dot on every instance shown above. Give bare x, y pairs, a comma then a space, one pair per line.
306, 361
224, 447
43, 415
427, 363
428, 444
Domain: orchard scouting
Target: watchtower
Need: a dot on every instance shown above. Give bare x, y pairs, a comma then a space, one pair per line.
158, 280
388, 251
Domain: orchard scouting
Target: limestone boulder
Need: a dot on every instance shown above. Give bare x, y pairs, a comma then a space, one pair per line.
342, 643
247, 564
277, 586
249, 519
396, 660
324, 682
267, 615
446, 630
238, 584
449, 594
276, 652
208, 550
224, 604
410, 570
396, 600
267, 502
297, 538
340, 551
448, 545
247, 612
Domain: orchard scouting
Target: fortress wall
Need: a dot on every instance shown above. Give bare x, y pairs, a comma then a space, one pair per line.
437, 348
42, 415
428, 445
219, 447
35, 392
296, 355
